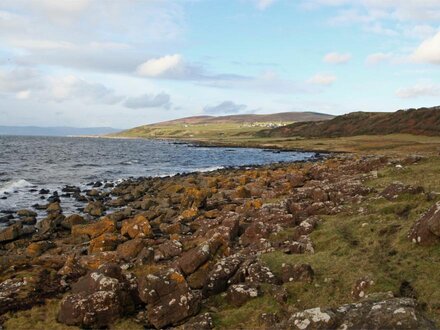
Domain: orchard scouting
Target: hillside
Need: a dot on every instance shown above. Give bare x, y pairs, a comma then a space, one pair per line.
423, 121
250, 118
217, 127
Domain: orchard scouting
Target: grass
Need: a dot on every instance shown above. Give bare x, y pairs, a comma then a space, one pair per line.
367, 239
182, 131
38, 318
238, 135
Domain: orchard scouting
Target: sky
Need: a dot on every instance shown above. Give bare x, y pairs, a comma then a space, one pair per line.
124, 63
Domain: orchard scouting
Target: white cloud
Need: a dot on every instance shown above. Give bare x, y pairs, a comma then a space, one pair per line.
23, 95
377, 58
169, 65
419, 90
226, 107
322, 79
19, 79
71, 87
428, 51
264, 4
337, 58
161, 100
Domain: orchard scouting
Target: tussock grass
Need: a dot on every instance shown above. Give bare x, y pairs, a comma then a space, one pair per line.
366, 240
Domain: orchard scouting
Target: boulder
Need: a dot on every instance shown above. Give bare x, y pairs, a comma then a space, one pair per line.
194, 258
194, 198
168, 297
139, 226
396, 189
26, 213
168, 250
200, 322
72, 220
25, 290
222, 271
297, 273
38, 248
11, 233
130, 249
72, 268
239, 294
394, 313
98, 299
95, 229
96, 209
426, 230
104, 242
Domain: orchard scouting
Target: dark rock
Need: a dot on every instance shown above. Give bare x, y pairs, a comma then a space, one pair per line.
222, 271
426, 230
98, 299
169, 298
72, 220
168, 250
96, 209
239, 294
26, 213
44, 191
200, 322
130, 249
297, 273
394, 190
11, 233
396, 313
360, 287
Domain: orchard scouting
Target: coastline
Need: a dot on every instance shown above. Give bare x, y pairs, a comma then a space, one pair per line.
181, 229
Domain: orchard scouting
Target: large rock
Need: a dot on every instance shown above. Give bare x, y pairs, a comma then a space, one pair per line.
38, 248
396, 189
222, 271
426, 230
105, 242
168, 250
239, 294
395, 313
28, 289
72, 220
191, 260
95, 229
11, 233
139, 226
98, 299
96, 209
297, 273
130, 249
169, 298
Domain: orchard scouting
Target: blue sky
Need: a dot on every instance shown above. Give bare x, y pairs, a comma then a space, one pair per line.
126, 63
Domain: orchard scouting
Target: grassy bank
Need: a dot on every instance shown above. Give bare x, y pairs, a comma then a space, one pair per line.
366, 240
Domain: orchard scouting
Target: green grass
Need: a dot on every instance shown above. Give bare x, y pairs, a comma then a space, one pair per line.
354, 244
38, 318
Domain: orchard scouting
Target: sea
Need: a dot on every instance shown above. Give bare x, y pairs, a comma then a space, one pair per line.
29, 164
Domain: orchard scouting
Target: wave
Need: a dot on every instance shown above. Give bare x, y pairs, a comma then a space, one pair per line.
14, 185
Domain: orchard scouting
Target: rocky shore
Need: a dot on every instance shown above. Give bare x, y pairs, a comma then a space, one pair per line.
178, 251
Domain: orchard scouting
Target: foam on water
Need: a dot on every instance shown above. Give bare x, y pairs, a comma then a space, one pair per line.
14, 185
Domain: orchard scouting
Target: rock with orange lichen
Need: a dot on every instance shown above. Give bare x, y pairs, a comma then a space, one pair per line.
105, 242
139, 226
95, 229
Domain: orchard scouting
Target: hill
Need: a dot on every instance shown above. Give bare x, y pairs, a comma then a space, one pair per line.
250, 118
422, 121
55, 131
211, 127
